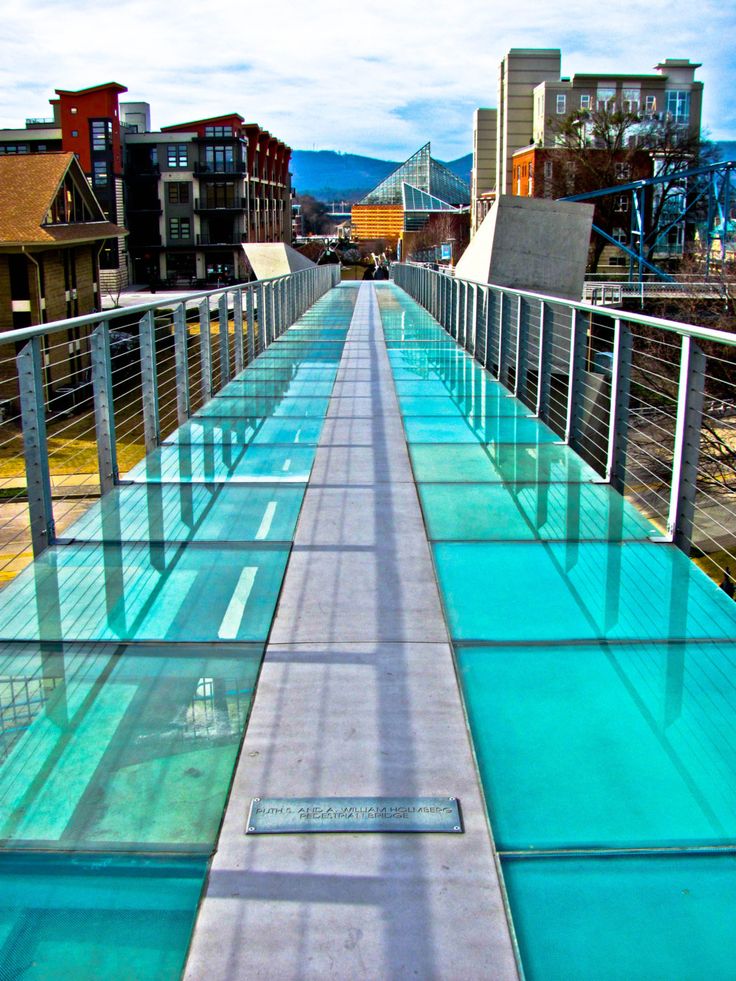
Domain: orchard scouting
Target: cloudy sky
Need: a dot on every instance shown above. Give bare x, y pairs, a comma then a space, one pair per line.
376, 78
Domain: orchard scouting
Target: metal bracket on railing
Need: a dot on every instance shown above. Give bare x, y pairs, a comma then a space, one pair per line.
104, 407
687, 445
205, 349
181, 355
33, 417
618, 424
149, 382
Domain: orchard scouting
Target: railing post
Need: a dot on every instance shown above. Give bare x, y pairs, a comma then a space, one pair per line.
490, 311
181, 360
260, 291
619, 413
522, 345
205, 349
687, 444
238, 321
502, 302
251, 325
35, 446
224, 341
104, 412
575, 387
149, 382
544, 362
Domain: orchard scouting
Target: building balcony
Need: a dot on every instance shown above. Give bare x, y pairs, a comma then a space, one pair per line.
208, 204
232, 239
218, 169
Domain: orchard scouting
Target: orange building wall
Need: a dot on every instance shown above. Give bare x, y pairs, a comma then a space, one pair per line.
377, 221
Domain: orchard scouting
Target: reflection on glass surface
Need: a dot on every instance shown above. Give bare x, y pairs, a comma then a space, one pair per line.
145, 592
564, 511
212, 431
477, 429
228, 462
261, 406
108, 748
192, 512
94, 917
505, 462
578, 591
659, 917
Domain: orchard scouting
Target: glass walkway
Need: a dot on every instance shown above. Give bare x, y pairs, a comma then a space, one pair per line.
596, 668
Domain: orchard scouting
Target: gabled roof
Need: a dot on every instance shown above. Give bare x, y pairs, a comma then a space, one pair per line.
29, 183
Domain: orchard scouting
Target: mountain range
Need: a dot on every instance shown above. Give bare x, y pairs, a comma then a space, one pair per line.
331, 176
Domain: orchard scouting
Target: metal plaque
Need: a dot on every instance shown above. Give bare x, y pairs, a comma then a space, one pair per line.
300, 815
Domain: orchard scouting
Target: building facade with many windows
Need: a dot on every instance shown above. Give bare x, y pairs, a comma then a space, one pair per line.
190, 194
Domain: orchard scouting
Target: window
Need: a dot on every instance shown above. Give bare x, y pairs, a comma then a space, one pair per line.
619, 234
220, 159
585, 102
178, 192
631, 99
218, 131
100, 175
650, 103
605, 96
101, 133
678, 106
623, 171
9, 149
547, 169
561, 104
621, 204
176, 155
180, 228
75, 132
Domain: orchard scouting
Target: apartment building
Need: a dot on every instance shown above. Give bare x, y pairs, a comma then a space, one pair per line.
190, 194
533, 97
483, 174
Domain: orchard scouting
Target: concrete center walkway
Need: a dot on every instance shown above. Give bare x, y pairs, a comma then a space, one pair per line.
357, 696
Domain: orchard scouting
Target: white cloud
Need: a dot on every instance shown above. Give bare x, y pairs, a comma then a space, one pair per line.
317, 75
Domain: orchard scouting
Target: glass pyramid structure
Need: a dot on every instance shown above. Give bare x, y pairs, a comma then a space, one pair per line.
422, 173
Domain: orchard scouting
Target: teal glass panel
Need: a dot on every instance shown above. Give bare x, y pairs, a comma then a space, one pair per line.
467, 384
488, 512
652, 918
128, 749
212, 431
93, 917
211, 464
458, 407
129, 592
192, 512
260, 406
275, 388
299, 371
620, 746
477, 429
578, 591
466, 463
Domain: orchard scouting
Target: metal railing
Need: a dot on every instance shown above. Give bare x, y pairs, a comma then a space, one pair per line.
649, 403
84, 400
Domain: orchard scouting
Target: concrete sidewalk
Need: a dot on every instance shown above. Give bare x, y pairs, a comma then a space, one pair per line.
357, 697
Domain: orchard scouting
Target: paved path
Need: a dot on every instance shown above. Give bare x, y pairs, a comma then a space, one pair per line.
357, 696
